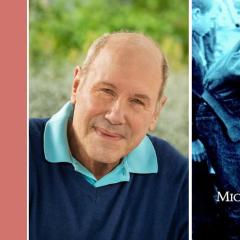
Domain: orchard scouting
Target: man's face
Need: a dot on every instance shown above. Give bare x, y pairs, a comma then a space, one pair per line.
116, 104
204, 21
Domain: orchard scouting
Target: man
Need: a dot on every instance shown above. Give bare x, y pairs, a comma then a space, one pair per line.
204, 209
94, 173
203, 14
218, 122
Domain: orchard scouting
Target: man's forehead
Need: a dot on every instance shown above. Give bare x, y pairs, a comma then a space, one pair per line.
128, 51
123, 61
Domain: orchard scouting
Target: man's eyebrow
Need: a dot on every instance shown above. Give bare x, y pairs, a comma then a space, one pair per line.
108, 84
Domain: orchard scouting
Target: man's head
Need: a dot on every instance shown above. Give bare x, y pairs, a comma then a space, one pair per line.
203, 15
100, 43
117, 96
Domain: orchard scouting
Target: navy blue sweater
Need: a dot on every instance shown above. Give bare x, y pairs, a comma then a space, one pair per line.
64, 206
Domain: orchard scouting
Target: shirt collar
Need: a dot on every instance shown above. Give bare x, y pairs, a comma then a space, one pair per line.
141, 160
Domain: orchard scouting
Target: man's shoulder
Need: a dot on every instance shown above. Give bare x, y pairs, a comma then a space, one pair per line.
36, 129
37, 124
167, 154
36, 132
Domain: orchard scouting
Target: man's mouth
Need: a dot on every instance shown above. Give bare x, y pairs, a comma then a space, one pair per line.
108, 134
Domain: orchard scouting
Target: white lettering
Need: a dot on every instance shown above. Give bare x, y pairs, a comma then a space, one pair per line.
228, 197
223, 198
235, 197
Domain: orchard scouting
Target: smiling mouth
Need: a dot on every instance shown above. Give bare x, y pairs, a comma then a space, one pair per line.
108, 135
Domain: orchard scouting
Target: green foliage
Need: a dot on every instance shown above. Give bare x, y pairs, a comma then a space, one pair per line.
64, 29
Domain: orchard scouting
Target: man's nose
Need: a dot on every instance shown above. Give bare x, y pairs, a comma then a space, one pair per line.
116, 113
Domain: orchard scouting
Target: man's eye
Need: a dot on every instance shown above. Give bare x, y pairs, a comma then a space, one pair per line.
137, 101
107, 91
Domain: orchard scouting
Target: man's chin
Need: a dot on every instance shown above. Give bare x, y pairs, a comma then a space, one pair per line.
105, 150
105, 155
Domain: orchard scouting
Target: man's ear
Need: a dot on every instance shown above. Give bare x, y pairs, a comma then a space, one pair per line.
160, 104
195, 14
75, 84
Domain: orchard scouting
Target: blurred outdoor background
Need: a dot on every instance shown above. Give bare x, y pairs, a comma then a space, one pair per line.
61, 32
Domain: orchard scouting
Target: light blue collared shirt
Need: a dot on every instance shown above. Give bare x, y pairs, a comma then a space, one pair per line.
141, 160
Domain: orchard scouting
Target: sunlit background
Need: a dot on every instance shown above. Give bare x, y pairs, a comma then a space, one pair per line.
61, 32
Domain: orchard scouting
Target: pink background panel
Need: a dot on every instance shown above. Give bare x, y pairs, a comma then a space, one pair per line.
13, 127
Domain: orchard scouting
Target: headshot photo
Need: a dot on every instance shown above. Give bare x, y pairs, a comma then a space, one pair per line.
108, 121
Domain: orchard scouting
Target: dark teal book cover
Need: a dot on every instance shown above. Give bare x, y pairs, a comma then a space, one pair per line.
216, 119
